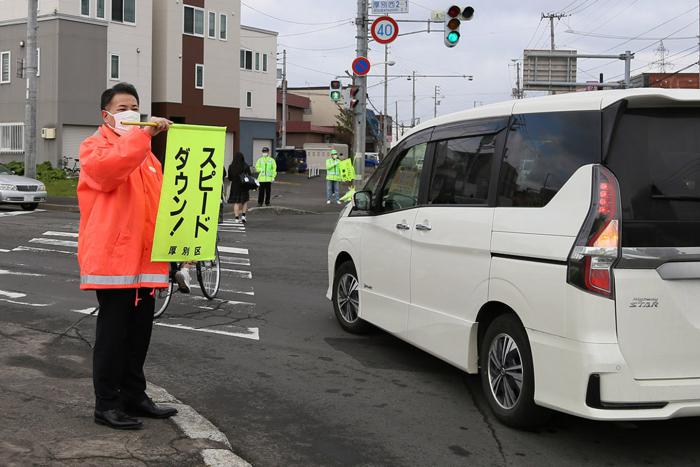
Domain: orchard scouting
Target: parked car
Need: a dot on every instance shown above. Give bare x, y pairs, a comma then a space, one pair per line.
290, 160
371, 159
551, 245
16, 189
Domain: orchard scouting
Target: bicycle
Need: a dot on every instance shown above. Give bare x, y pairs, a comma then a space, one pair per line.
71, 171
208, 276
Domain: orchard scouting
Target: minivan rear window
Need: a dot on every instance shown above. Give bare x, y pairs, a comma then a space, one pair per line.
655, 155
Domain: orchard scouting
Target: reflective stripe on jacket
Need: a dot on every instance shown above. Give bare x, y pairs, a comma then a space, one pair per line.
333, 169
266, 167
118, 194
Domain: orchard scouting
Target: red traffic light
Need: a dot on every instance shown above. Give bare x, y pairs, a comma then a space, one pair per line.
335, 84
454, 11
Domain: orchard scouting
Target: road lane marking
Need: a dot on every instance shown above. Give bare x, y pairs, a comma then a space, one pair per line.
43, 250
233, 250
233, 260
19, 213
53, 241
38, 305
244, 292
16, 273
238, 273
51, 233
252, 334
12, 294
2, 250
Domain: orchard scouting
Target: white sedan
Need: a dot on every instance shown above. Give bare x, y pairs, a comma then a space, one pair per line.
16, 189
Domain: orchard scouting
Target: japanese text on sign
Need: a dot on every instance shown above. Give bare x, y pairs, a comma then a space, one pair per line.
188, 213
384, 7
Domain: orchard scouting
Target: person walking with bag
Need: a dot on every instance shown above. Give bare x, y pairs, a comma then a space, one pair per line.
118, 193
266, 167
240, 195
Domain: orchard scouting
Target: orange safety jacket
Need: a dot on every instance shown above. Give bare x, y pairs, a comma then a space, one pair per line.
118, 193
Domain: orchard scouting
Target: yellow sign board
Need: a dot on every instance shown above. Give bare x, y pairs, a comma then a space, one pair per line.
188, 213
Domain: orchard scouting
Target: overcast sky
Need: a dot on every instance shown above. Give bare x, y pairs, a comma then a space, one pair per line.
499, 32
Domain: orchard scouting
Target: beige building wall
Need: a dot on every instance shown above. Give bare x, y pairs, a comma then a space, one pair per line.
262, 84
167, 39
221, 74
323, 109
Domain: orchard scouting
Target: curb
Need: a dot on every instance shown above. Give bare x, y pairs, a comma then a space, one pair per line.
60, 207
195, 426
281, 210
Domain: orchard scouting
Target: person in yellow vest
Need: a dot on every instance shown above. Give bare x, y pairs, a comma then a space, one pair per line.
333, 177
266, 168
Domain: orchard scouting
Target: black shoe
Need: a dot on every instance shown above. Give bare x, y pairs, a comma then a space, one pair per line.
148, 408
117, 419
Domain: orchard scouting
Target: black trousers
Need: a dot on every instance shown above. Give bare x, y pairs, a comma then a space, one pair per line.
264, 193
121, 344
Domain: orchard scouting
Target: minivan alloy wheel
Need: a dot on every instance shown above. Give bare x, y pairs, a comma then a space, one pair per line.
348, 297
505, 371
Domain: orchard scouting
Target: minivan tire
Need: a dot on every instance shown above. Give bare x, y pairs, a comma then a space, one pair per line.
29, 206
507, 331
346, 307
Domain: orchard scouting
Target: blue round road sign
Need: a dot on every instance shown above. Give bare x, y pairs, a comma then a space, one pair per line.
361, 66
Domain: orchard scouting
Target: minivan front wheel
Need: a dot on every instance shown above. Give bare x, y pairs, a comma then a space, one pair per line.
346, 299
507, 375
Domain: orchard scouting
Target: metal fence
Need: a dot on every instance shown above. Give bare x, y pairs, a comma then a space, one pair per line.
11, 138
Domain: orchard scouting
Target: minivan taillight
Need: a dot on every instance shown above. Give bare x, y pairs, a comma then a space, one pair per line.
597, 246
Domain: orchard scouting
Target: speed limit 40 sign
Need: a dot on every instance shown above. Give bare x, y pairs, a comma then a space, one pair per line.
385, 29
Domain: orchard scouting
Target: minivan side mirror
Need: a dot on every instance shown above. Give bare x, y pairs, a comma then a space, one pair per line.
363, 200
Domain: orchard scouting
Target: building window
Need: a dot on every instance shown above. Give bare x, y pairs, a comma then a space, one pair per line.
265, 63
100, 12
5, 67
199, 76
11, 138
114, 67
124, 11
194, 21
223, 31
212, 25
246, 59
257, 61
249, 99
85, 7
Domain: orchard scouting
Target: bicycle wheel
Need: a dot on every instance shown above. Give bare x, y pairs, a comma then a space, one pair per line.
209, 276
163, 297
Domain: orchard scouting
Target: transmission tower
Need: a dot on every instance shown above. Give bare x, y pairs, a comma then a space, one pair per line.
661, 63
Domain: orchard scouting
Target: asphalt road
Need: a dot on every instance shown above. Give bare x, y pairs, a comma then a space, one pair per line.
268, 365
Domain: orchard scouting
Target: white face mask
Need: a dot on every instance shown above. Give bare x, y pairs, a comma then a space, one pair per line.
126, 116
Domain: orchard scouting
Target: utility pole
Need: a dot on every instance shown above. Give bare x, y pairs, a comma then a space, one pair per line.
551, 17
435, 98
518, 92
30, 67
385, 122
284, 99
396, 121
699, 52
413, 112
361, 107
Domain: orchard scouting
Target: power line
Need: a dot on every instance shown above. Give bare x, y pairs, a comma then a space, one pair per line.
694, 49
311, 69
674, 73
318, 50
611, 36
294, 22
600, 25
306, 32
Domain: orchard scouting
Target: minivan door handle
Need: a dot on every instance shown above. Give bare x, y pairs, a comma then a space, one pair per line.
424, 227
403, 226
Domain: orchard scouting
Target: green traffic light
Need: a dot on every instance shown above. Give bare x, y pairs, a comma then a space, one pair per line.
453, 37
335, 95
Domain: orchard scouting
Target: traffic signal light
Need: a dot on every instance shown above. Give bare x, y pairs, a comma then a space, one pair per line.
334, 91
353, 96
453, 20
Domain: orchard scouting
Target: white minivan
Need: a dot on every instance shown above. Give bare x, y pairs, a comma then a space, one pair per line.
550, 244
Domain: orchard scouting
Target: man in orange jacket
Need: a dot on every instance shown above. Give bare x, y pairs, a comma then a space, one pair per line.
118, 194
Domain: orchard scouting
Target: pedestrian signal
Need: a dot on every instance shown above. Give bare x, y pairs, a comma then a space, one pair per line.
334, 91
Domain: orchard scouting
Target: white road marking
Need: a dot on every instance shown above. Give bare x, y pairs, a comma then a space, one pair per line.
85, 311
232, 231
233, 260
53, 241
250, 292
238, 273
51, 233
12, 294
197, 427
252, 334
15, 273
2, 250
233, 250
49, 250
19, 213
38, 305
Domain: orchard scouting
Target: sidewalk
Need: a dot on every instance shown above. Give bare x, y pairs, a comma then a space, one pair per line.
47, 400
291, 193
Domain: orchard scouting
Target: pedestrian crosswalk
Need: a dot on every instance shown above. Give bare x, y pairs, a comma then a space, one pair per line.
193, 312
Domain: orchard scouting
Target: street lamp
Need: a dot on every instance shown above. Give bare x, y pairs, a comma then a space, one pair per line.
387, 63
